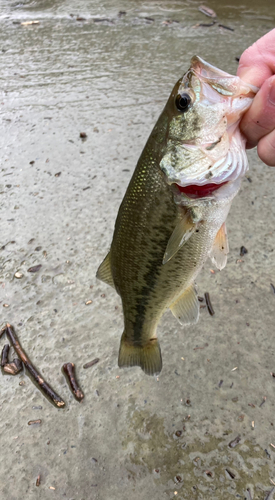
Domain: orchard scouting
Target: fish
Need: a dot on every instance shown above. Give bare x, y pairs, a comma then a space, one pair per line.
172, 217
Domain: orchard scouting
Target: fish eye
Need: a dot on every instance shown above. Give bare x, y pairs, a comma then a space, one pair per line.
183, 101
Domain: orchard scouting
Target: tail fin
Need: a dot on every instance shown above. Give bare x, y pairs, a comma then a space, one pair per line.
148, 356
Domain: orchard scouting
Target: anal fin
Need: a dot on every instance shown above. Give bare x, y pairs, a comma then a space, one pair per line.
220, 248
104, 272
186, 307
147, 356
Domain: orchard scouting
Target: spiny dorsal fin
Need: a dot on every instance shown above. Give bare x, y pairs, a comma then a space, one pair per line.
186, 307
220, 249
147, 356
182, 232
104, 272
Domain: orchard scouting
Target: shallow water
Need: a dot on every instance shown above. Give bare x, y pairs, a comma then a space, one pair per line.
58, 197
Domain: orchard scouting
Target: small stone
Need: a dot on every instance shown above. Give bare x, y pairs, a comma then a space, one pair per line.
88, 302
18, 275
34, 269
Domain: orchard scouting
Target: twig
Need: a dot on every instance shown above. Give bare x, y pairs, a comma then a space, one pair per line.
69, 371
2, 331
32, 422
91, 363
205, 25
270, 494
5, 355
225, 27
249, 492
13, 368
230, 473
263, 402
208, 303
196, 348
38, 480
44, 386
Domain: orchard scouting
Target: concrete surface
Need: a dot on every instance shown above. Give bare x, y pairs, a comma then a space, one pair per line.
111, 79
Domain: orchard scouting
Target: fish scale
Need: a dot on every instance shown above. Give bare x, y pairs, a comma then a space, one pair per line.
162, 237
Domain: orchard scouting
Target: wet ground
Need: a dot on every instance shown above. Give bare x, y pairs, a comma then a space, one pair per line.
92, 69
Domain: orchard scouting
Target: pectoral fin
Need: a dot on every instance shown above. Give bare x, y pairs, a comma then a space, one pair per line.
181, 234
220, 248
104, 272
186, 308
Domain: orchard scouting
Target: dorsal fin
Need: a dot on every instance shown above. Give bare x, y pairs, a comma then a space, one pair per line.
104, 272
186, 307
220, 248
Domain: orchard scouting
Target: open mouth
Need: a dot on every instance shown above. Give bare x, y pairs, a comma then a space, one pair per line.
194, 191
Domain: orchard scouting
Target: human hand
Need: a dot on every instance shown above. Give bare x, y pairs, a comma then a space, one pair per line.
257, 67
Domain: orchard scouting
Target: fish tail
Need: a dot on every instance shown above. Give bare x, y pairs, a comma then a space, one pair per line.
147, 356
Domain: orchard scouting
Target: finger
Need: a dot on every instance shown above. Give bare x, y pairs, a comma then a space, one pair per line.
259, 120
266, 149
257, 63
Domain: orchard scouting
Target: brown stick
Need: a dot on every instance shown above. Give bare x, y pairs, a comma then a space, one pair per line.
5, 355
45, 387
69, 371
13, 368
32, 422
91, 363
208, 303
2, 331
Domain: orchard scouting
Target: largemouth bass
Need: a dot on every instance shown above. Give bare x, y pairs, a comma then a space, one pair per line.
172, 217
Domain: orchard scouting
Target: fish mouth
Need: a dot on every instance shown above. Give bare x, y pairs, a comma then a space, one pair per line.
196, 191
216, 152
224, 83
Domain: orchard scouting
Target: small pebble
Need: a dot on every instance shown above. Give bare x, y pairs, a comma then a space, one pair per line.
18, 275
243, 251
34, 269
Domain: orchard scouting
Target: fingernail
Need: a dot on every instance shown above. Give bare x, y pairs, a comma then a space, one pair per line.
271, 94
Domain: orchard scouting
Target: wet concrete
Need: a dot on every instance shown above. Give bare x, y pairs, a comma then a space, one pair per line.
165, 437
